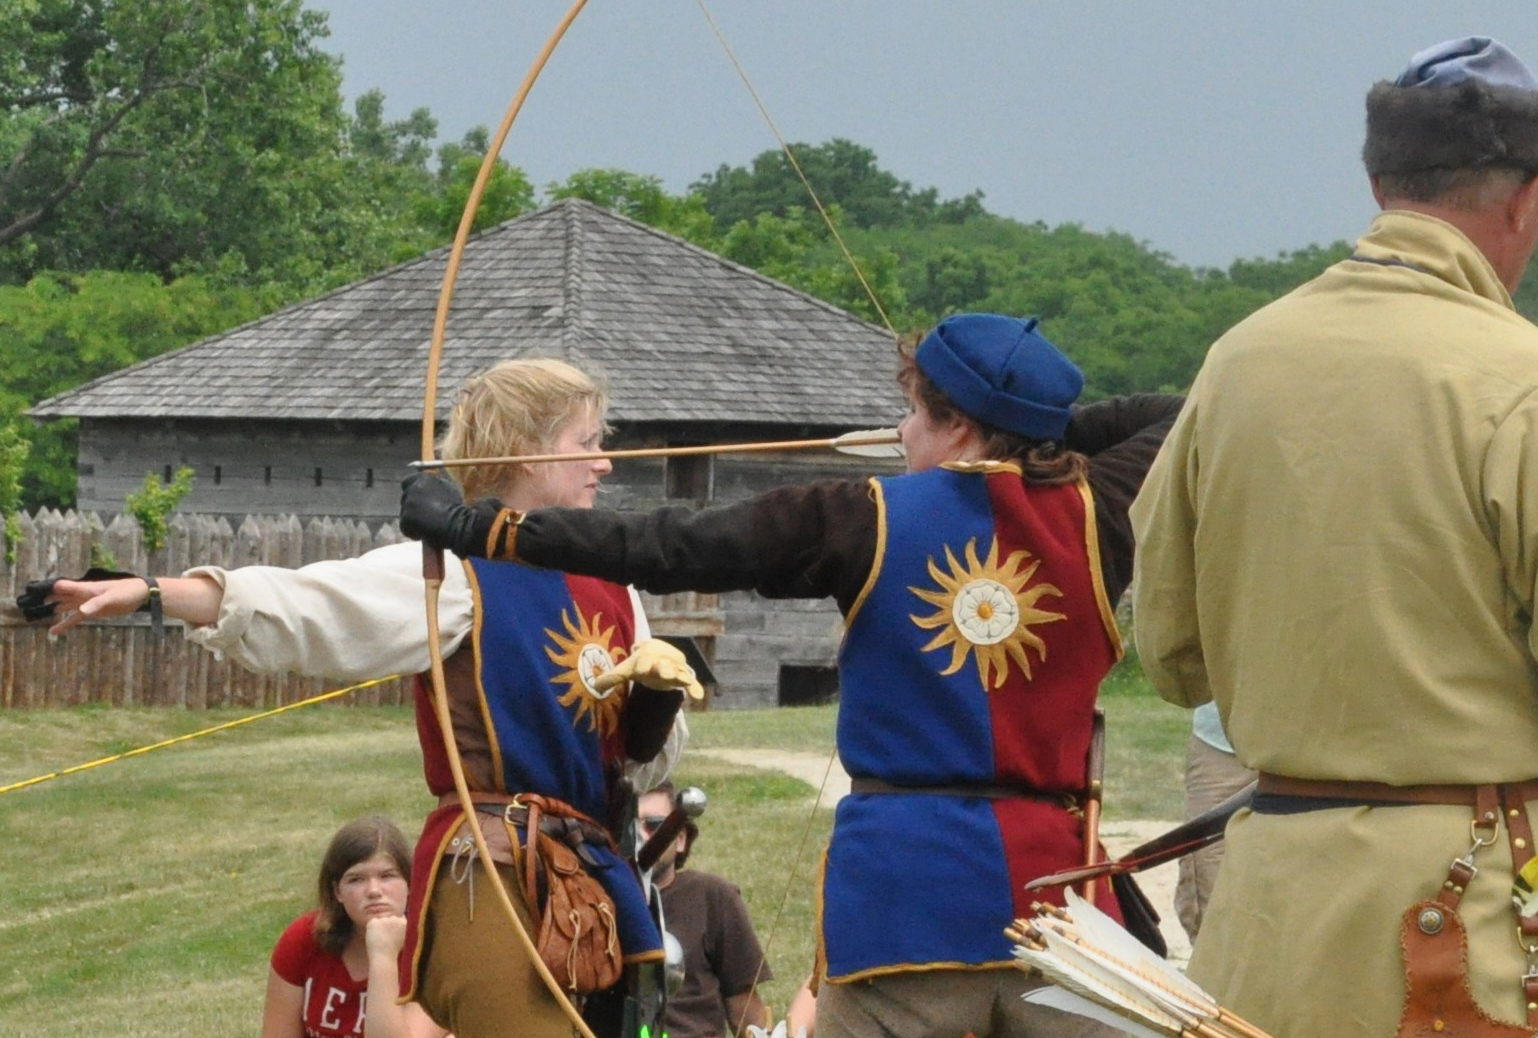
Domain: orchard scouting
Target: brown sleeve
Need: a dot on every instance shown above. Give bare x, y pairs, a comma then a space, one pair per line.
1097, 427
1127, 433
735, 951
811, 541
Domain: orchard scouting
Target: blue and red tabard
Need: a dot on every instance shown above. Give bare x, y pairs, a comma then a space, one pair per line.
527, 720
972, 657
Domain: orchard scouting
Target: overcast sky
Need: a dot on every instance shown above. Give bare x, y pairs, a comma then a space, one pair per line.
1210, 130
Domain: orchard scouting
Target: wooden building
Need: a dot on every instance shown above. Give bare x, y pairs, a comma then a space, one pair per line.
316, 409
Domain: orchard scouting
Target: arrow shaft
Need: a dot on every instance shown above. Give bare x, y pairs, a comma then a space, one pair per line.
825, 443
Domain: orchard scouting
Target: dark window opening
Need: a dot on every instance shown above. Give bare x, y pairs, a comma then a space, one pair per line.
166, 478
267, 476
318, 478
689, 478
808, 686
368, 478
218, 474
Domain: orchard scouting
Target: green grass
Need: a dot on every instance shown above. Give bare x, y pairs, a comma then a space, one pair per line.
141, 898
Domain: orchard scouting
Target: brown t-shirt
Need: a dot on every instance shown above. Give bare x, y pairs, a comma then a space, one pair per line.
721, 952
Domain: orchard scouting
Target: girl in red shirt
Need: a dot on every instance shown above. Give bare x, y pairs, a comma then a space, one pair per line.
334, 971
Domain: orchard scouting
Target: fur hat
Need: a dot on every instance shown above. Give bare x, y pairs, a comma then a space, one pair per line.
1463, 104
1000, 372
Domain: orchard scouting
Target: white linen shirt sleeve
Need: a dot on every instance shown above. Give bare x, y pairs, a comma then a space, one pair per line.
344, 619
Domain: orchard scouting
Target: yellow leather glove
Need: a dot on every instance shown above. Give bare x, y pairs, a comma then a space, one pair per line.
655, 664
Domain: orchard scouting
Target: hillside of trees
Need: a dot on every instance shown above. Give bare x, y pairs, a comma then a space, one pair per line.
171, 170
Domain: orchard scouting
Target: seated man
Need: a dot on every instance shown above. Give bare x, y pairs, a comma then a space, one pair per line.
723, 962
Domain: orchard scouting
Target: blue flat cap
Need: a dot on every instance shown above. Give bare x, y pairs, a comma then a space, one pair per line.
1001, 372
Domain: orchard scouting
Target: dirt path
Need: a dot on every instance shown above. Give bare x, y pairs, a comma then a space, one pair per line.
1118, 836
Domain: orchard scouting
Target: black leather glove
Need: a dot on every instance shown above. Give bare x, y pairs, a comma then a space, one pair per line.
33, 600
434, 511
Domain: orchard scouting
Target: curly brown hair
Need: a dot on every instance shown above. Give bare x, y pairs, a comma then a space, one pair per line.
1042, 462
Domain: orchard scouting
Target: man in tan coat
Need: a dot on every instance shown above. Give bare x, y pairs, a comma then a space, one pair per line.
1339, 544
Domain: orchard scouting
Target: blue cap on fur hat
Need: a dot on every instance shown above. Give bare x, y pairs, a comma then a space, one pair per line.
1473, 57
999, 371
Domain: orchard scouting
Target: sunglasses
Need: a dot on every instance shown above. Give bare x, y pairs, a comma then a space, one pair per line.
650, 823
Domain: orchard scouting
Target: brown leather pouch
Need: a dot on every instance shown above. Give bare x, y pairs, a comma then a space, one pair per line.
578, 932
1438, 1000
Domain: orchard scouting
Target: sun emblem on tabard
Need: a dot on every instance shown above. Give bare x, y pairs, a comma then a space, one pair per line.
582, 654
987, 609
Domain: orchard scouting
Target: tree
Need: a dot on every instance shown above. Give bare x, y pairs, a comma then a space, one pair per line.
507, 194
842, 173
640, 197
61, 330
176, 135
795, 249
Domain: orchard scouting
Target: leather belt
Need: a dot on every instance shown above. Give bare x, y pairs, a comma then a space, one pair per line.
1068, 801
1349, 792
572, 830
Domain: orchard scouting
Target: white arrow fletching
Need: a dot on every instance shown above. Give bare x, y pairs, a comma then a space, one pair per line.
870, 443
1089, 954
1068, 1002
1063, 964
1105, 933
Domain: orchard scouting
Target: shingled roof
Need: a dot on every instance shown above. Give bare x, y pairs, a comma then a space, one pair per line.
682, 334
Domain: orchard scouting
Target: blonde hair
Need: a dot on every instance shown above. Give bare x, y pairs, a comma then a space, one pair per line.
515, 407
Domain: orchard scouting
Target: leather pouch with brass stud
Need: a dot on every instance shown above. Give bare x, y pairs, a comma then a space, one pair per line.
1438, 998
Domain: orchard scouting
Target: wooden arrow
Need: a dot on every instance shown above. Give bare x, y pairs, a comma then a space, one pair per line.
873, 443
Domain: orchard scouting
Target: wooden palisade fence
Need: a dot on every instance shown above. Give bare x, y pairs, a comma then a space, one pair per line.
123, 662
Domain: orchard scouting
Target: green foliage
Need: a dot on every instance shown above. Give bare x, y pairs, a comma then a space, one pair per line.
13, 454
60, 330
101, 558
1526, 295
842, 173
797, 248
507, 193
1132, 318
153, 503
163, 135
641, 198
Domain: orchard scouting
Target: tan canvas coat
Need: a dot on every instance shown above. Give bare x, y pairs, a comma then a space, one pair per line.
1339, 544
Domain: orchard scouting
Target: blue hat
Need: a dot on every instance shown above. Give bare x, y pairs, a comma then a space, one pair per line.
999, 371
1473, 57
1463, 104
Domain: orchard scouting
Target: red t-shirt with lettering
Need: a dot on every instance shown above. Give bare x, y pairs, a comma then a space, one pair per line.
334, 1002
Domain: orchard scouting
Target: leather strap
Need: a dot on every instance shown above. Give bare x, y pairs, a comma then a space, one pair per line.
1353, 792
555, 818
153, 606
